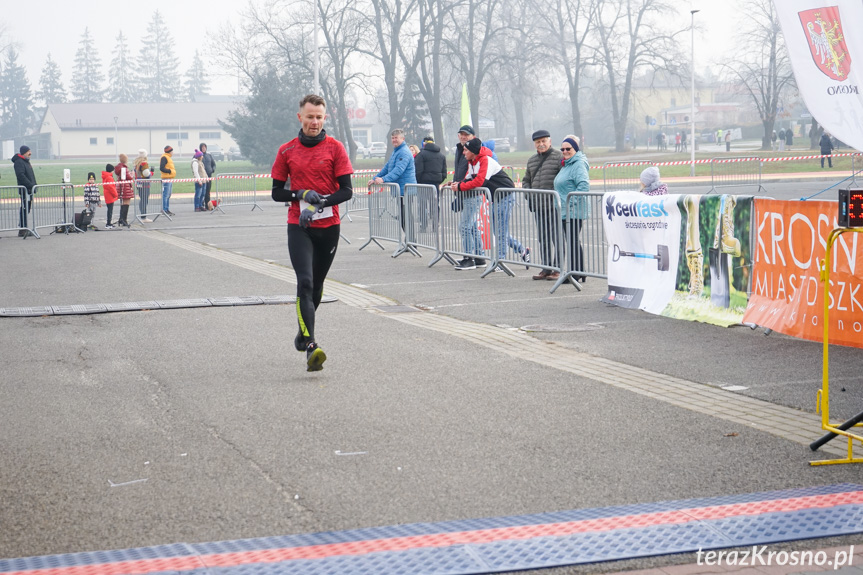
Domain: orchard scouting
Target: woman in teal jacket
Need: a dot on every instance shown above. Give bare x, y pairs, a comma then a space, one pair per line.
573, 177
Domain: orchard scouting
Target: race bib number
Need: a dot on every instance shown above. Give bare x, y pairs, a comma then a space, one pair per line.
322, 213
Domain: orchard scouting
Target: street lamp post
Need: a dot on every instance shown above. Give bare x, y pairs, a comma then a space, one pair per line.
317, 55
115, 136
692, 102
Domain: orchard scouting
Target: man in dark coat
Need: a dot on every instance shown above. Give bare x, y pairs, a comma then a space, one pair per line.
826, 145
542, 168
26, 180
209, 164
430, 166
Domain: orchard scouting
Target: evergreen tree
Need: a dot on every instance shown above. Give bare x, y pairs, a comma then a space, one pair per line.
270, 116
196, 79
87, 78
51, 90
160, 80
416, 114
16, 104
122, 86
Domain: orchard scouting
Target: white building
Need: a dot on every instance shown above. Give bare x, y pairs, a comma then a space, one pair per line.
104, 130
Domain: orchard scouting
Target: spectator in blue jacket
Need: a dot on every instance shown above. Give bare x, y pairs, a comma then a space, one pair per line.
399, 169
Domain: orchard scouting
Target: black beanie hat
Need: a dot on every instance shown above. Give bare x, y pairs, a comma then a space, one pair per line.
24, 150
90, 175
474, 145
109, 167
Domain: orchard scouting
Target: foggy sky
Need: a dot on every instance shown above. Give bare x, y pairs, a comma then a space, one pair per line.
56, 26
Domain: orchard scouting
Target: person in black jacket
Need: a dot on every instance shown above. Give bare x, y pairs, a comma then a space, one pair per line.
826, 149
430, 166
26, 180
209, 164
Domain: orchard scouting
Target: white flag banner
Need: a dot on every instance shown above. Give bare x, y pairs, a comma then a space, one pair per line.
825, 44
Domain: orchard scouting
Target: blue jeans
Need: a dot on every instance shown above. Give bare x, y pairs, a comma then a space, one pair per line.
502, 211
469, 226
200, 190
166, 194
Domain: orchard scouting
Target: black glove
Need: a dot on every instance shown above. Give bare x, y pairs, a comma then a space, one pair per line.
307, 214
309, 196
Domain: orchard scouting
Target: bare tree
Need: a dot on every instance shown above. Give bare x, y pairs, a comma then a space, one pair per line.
631, 37
568, 26
476, 26
762, 68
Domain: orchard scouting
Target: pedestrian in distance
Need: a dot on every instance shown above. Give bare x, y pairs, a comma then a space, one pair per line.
430, 168
109, 190
782, 140
319, 171
200, 175
26, 182
677, 142
168, 172
542, 169
728, 140
774, 144
210, 167
125, 191
92, 197
574, 176
683, 142
826, 145
142, 182
789, 138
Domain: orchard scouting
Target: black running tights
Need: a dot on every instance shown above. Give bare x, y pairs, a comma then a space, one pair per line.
312, 251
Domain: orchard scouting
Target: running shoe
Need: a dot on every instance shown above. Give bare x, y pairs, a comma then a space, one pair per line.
525, 257
466, 264
315, 357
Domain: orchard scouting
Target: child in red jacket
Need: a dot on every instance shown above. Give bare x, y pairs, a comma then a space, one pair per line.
109, 190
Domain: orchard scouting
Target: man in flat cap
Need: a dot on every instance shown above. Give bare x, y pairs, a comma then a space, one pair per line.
542, 168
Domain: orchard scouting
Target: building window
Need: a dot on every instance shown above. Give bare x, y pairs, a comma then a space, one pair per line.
177, 136
211, 135
109, 141
94, 141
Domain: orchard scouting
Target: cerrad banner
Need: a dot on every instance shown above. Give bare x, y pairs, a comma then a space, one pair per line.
787, 294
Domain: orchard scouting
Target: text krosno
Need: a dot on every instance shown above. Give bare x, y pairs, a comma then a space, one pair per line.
760, 556
834, 90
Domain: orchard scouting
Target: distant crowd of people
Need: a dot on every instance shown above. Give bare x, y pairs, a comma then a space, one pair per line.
120, 181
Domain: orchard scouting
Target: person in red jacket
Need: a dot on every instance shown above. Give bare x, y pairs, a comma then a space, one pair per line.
125, 179
109, 190
313, 173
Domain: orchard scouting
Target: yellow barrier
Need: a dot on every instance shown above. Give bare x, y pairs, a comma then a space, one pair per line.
822, 398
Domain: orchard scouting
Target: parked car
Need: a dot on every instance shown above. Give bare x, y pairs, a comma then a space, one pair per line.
215, 150
502, 145
234, 154
375, 150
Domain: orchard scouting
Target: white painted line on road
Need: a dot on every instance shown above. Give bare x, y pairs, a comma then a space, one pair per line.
351, 452
734, 387
112, 484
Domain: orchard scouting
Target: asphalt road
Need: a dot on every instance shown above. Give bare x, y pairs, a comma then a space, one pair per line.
141, 428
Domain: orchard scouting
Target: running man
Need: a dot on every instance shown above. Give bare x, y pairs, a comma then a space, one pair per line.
313, 172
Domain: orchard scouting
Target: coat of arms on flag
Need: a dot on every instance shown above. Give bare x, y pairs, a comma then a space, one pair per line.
823, 30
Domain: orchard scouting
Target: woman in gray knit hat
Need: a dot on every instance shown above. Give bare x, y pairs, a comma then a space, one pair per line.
650, 183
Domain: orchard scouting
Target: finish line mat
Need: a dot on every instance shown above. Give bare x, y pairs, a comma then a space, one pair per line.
495, 545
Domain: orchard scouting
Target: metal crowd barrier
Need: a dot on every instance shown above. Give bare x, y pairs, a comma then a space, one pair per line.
385, 217
53, 206
422, 216
359, 202
626, 176
238, 189
465, 227
586, 247
147, 200
735, 173
857, 169
11, 200
527, 219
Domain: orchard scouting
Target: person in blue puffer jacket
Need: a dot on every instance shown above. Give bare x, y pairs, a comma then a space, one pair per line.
399, 169
573, 176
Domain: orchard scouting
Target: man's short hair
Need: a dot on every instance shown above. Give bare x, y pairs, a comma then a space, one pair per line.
397, 132
312, 99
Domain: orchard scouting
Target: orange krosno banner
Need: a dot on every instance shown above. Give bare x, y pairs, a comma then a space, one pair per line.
787, 294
